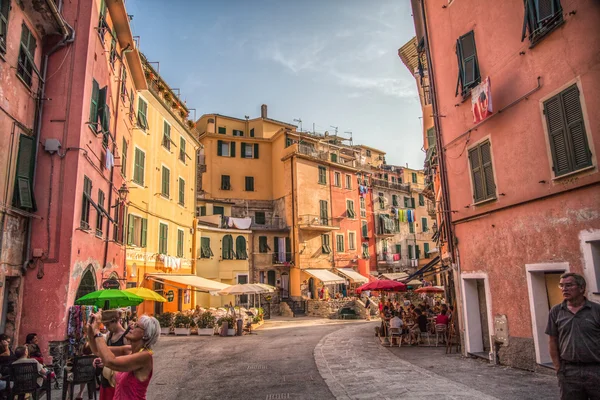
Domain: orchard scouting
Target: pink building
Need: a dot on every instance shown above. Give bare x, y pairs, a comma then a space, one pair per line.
86, 126
25, 30
524, 182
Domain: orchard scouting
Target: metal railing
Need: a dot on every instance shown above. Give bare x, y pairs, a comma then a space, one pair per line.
317, 220
405, 187
268, 223
322, 155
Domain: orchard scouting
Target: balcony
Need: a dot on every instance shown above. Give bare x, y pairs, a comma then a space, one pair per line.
388, 259
431, 209
321, 155
313, 222
269, 224
404, 187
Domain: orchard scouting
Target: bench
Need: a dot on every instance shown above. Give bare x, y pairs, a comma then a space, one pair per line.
348, 313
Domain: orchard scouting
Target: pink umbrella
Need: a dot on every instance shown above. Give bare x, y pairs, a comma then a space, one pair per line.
429, 289
383, 286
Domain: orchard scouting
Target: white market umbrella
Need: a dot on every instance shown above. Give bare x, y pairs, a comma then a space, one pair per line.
244, 288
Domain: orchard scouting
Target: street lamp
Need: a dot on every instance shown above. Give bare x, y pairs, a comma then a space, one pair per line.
123, 192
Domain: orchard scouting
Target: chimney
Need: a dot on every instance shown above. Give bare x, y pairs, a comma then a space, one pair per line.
263, 111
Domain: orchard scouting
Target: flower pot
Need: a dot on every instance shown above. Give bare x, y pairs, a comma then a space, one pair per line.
165, 331
206, 331
182, 331
230, 332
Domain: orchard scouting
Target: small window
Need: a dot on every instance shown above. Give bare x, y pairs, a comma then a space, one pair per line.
334, 157
138, 166
351, 241
482, 173
249, 184
26, 64
165, 181
399, 249
350, 213
337, 179
468, 65
339, 243
249, 150
222, 130
541, 18
271, 278
237, 132
325, 244
421, 200
218, 210
137, 229
411, 227
348, 181
225, 149
368, 153
365, 229
363, 207
322, 175
424, 226
259, 217
180, 239
205, 250
181, 192
225, 182
252, 132
414, 177
163, 238
202, 211
142, 117
166, 139
566, 129
263, 245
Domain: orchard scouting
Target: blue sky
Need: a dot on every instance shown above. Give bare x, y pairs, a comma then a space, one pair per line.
327, 62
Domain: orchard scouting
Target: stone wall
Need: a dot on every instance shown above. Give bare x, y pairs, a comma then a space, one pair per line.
331, 308
285, 310
520, 353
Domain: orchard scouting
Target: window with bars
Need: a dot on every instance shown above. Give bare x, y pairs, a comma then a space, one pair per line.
163, 238
25, 63
165, 182
482, 173
166, 139
205, 250
181, 196
325, 244
468, 64
139, 164
180, 239
322, 175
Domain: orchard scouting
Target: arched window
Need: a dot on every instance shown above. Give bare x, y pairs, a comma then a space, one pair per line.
227, 248
87, 284
240, 248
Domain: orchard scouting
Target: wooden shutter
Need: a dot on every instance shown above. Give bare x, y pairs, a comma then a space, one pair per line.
144, 233
488, 171
323, 212
255, 150
288, 249
544, 9
424, 224
219, 147
477, 175
180, 238
470, 67
417, 251
102, 97
124, 158
94, 104
365, 230
412, 202
426, 249
581, 156
232, 149
166, 176
406, 203
252, 132
24, 175
276, 245
410, 252
227, 244
181, 191
243, 151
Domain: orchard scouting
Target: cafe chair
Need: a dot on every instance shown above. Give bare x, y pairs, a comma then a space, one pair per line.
441, 330
24, 379
83, 372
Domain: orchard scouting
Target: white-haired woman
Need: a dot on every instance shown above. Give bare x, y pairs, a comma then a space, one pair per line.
132, 363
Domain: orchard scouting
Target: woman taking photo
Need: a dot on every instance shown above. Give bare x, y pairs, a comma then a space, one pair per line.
132, 363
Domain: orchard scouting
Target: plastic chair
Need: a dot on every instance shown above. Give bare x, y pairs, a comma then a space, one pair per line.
427, 335
440, 330
395, 333
24, 377
83, 372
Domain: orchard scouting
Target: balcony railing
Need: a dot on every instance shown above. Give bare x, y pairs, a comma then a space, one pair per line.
313, 221
431, 208
268, 223
405, 187
322, 155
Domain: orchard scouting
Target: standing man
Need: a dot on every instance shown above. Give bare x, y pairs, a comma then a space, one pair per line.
574, 341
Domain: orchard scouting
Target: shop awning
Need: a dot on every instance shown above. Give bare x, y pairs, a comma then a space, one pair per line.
428, 267
353, 275
394, 276
328, 278
201, 284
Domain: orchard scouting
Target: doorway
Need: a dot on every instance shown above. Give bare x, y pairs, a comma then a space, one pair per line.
87, 283
311, 288
542, 284
477, 308
285, 285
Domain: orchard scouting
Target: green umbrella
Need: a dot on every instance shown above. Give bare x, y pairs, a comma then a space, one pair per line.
109, 298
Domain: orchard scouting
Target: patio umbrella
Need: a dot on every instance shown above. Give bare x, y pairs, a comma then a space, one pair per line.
245, 288
109, 298
430, 289
270, 288
146, 294
383, 286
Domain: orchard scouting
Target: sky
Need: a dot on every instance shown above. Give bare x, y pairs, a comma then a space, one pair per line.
331, 63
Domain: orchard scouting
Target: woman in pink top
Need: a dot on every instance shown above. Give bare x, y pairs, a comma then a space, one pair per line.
132, 363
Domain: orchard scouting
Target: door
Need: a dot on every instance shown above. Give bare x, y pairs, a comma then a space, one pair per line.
285, 285
158, 306
311, 288
476, 317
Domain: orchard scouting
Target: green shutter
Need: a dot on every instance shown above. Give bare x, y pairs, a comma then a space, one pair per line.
398, 249
227, 247
262, 244
410, 252
124, 158
240, 248
166, 177
219, 147
421, 200
255, 150
94, 104
430, 137
232, 149
102, 98
365, 230
144, 233
412, 202
130, 232
323, 212
252, 132
476, 174
426, 249
276, 245
424, 224
24, 172
243, 151
163, 238
180, 238
406, 202
468, 65
417, 251
411, 227
181, 191
488, 172
288, 249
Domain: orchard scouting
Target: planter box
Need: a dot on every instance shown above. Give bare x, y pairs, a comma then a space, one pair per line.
206, 331
182, 331
230, 332
165, 331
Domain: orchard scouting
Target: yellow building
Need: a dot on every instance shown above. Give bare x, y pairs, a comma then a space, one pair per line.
161, 171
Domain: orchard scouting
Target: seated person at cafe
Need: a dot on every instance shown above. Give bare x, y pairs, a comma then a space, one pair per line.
442, 318
34, 349
5, 340
22, 354
396, 325
420, 325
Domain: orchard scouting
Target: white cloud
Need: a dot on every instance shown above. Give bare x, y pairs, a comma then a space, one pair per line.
297, 56
388, 86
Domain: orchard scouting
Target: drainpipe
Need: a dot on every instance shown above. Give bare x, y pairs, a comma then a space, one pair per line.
294, 225
68, 38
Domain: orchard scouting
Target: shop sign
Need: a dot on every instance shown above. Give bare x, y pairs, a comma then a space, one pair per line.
170, 296
111, 284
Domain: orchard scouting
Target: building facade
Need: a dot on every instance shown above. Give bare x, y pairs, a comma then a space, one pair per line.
522, 175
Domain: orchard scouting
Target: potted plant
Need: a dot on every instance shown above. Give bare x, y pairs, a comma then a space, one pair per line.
206, 324
160, 87
181, 323
182, 113
193, 325
166, 321
191, 124
167, 96
230, 324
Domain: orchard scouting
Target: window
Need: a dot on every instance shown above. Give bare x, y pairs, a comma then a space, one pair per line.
365, 229
271, 278
350, 213
240, 248
124, 159
365, 251
395, 200
468, 66
222, 130
142, 117
26, 63
131, 100
227, 249
348, 181
385, 177
381, 201
426, 249
430, 137
138, 166
325, 244
259, 217
393, 179
323, 212
137, 229
202, 211
249, 150
205, 250
94, 106
163, 237
566, 130
181, 192
339, 243
414, 177
4, 9
225, 182
86, 202
166, 139
252, 132
411, 227
351, 241
124, 84
363, 207
100, 214
409, 202
334, 157
541, 18
421, 200
218, 210
368, 153
225, 149
337, 179
322, 175
112, 57
424, 226
249, 184
23, 192
480, 158
410, 252
165, 182
182, 144
180, 238
399, 249
263, 245
237, 132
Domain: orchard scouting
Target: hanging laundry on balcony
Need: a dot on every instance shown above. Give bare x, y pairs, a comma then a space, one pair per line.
362, 190
396, 257
240, 223
109, 160
281, 250
481, 100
